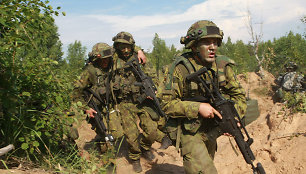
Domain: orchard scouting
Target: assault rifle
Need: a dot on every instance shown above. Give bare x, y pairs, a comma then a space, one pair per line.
230, 116
97, 121
146, 84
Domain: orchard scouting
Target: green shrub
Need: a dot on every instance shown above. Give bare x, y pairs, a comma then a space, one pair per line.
296, 101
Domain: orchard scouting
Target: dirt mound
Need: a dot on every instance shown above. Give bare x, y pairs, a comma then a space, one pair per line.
279, 136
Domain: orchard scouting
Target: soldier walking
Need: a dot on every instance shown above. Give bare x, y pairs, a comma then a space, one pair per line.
127, 95
186, 103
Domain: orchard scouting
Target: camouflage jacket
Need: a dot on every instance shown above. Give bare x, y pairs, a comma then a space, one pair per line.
123, 80
174, 88
91, 77
291, 81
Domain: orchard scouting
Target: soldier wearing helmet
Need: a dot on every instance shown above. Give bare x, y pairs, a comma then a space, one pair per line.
94, 76
190, 122
291, 81
126, 93
124, 44
291, 66
101, 55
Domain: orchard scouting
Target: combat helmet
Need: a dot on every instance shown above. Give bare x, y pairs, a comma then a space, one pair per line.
123, 37
100, 51
291, 66
199, 30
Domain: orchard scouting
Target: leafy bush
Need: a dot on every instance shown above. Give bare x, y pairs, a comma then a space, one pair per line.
296, 101
34, 94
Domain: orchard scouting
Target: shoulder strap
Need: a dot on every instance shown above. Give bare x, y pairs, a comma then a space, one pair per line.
91, 69
222, 62
183, 59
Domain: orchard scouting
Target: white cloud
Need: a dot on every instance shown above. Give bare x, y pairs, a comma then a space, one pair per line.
278, 17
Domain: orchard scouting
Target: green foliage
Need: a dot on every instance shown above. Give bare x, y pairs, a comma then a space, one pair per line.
72, 162
34, 92
240, 53
295, 101
287, 48
76, 58
277, 53
36, 84
161, 54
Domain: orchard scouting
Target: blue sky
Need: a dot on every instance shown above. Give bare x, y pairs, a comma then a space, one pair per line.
95, 21
124, 7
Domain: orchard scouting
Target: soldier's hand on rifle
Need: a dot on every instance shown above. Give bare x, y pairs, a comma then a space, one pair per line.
227, 134
142, 57
91, 112
207, 111
149, 97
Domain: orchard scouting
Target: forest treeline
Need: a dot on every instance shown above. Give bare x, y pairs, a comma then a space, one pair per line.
275, 54
36, 80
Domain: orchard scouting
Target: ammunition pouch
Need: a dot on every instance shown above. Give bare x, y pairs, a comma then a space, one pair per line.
171, 128
192, 125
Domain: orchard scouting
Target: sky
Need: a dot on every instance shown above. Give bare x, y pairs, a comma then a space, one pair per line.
94, 21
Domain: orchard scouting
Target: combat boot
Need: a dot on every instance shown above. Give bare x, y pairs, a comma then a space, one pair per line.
166, 142
136, 166
148, 155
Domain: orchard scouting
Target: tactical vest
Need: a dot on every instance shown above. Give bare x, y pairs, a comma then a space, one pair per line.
123, 82
98, 79
190, 90
185, 66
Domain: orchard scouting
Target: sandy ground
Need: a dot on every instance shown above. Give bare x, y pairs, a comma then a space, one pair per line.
279, 137
279, 142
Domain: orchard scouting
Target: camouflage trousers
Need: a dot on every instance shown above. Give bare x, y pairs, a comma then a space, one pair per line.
114, 124
198, 153
136, 140
151, 129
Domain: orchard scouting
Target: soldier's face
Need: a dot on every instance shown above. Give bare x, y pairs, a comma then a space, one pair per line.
207, 48
125, 49
103, 63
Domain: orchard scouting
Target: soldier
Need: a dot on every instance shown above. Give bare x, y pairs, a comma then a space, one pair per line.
190, 122
126, 92
94, 77
290, 81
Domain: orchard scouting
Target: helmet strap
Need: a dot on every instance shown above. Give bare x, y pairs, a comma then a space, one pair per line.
199, 57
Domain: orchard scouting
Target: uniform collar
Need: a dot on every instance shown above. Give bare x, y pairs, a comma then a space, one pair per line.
198, 65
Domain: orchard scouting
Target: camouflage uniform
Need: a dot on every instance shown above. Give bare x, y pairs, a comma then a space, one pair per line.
94, 77
290, 81
126, 98
195, 134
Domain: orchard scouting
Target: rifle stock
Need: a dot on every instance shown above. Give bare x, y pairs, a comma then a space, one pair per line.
230, 117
